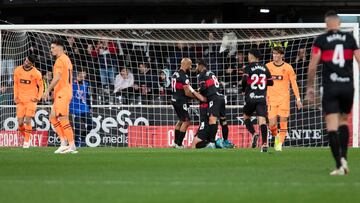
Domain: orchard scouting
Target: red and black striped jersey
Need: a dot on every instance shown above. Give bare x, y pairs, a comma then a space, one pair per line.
208, 83
256, 78
337, 50
178, 81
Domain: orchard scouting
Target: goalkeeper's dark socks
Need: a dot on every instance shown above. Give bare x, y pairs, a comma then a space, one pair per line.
249, 126
212, 132
177, 135
181, 137
335, 147
264, 130
225, 131
343, 132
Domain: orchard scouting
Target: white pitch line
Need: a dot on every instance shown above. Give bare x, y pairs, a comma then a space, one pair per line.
177, 183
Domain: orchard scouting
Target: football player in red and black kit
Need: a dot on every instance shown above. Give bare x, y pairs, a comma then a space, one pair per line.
181, 93
210, 111
335, 50
255, 81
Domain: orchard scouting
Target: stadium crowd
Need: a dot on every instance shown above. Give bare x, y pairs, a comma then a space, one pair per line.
139, 73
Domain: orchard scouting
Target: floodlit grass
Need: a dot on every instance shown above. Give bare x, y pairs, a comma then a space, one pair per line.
170, 175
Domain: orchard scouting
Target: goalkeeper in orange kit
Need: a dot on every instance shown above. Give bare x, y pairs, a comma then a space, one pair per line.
28, 89
279, 95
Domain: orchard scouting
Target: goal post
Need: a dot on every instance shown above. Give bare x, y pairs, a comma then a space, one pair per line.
135, 110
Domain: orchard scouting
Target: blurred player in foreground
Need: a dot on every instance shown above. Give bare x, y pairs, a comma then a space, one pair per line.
335, 50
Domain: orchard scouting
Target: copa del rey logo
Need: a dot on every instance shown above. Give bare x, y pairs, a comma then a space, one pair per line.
13, 139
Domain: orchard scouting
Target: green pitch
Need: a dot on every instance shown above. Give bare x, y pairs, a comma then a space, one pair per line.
168, 175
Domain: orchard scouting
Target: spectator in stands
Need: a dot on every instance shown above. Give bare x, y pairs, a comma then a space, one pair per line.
2, 94
106, 65
91, 58
301, 68
230, 75
47, 77
163, 90
210, 52
72, 50
240, 65
80, 108
180, 51
7, 57
6, 94
144, 82
124, 83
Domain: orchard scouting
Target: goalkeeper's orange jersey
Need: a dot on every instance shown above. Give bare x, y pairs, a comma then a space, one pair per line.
283, 76
28, 84
63, 66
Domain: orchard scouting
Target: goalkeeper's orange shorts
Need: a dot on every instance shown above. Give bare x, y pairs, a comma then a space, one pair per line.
282, 110
26, 109
61, 105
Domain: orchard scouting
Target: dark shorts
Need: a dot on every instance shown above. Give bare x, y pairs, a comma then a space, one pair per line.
259, 107
217, 106
181, 109
338, 98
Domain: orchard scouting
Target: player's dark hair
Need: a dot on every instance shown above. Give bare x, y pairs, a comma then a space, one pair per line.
279, 50
58, 42
201, 62
32, 58
331, 13
255, 53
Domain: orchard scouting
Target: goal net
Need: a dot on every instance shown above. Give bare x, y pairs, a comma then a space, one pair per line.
122, 90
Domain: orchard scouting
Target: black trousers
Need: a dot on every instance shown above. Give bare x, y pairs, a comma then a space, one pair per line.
82, 124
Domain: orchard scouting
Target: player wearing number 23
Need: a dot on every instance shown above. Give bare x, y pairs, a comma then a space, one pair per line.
255, 81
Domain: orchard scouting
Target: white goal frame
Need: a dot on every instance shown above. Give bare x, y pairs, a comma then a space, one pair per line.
353, 26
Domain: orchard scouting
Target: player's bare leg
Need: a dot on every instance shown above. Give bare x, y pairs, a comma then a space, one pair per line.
343, 131
250, 128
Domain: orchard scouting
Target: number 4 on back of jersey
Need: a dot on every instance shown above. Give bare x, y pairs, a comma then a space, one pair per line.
338, 57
